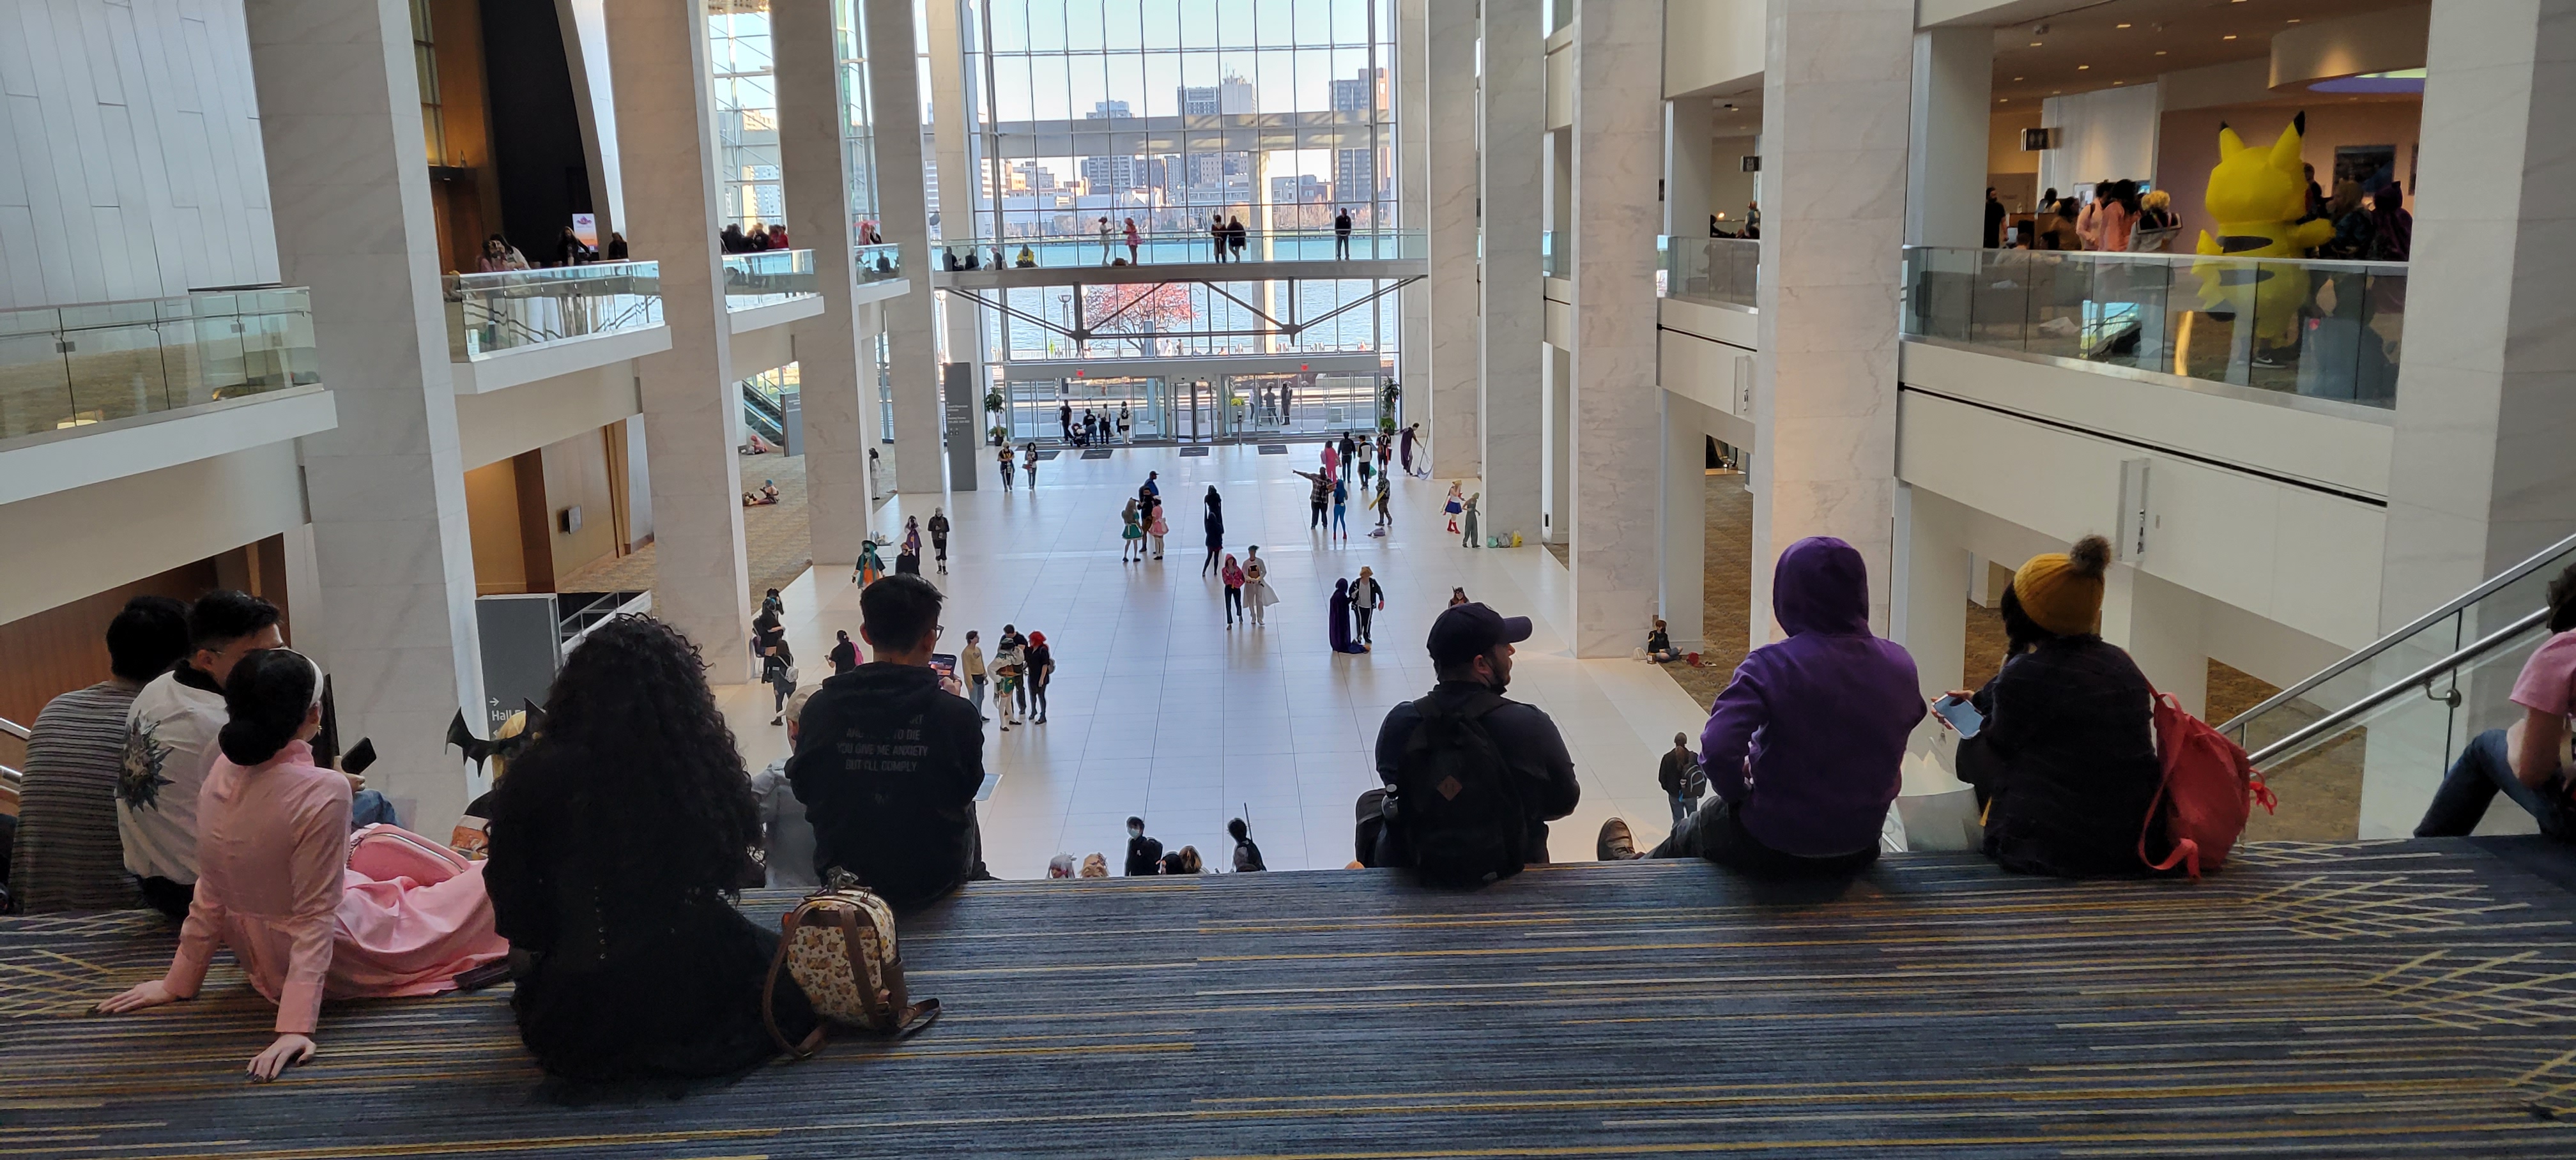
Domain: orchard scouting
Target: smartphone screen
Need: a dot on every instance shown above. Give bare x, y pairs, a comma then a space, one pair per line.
1960, 714
360, 756
946, 663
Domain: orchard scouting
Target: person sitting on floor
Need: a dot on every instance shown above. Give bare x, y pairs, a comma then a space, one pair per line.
617, 845
2064, 762
1659, 644
1803, 746
889, 782
2528, 760
307, 911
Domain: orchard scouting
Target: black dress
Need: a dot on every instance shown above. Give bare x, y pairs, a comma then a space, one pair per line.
629, 979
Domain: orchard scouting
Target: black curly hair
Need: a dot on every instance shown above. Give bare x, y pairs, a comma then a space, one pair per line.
2562, 601
637, 767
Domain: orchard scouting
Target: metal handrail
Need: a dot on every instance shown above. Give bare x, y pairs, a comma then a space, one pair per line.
14, 729
2419, 624
2420, 678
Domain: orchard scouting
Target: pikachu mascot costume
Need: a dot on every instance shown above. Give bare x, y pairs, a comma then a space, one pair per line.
2258, 196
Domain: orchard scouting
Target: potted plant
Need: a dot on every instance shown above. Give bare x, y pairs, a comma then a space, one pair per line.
1386, 404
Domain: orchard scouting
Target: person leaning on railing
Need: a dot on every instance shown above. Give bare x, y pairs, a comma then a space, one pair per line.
2528, 761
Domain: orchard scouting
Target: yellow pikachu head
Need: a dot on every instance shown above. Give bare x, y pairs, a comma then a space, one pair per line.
2258, 185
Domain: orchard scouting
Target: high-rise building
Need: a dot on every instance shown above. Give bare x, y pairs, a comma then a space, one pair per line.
1354, 175
1355, 95
1229, 96
1114, 173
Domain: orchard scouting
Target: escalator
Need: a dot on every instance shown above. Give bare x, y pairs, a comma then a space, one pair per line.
2361, 745
764, 414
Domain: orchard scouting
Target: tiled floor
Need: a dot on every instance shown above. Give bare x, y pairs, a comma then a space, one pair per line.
1159, 710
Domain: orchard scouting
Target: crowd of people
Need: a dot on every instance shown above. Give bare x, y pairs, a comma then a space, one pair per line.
752, 239
2371, 223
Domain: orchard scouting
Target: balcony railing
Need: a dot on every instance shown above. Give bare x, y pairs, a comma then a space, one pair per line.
68, 366
515, 309
2317, 329
882, 262
1170, 248
767, 279
1707, 269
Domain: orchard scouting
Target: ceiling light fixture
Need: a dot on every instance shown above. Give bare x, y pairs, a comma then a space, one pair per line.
2229, 36
2119, 26
2034, 44
2160, 52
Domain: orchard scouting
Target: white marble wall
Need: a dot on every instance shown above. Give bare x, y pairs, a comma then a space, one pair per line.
958, 150
2481, 473
1684, 502
1512, 309
911, 324
395, 627
666, 145
1450, 187
1945, 203
1836, 89
1617, 408
130, 158
1930, 578
814, 167
1413, 178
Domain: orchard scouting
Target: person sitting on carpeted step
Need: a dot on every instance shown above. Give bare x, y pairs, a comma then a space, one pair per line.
1472, 779
2064, 762
1802, 747
2528, 761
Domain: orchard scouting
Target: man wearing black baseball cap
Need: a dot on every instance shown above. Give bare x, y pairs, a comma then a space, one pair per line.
1471, 779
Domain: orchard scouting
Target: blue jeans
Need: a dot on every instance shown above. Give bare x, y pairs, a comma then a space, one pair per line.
1682, 807
975, 693
2483, 768
367, 807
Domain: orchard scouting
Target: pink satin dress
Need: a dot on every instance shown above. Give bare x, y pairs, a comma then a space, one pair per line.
311, 912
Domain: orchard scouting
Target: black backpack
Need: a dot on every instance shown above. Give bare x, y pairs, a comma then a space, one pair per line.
1456, 806
1247, 856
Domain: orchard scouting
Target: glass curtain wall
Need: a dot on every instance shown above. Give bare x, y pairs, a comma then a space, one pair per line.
746, 99
857, 124
1169, 111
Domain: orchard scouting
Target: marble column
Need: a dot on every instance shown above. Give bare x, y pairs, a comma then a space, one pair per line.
1945, 198
1512, 311
1413, 176
911, 322
953, 140
1836, 84
1689, 161
813, 151
2159, 623
1685, 515
1556, 435
1450, 189
1617, 407
1928, 588
391, 612
666, 145
2480, 474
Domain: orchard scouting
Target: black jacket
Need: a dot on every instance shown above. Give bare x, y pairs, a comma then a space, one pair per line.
888, 770
2066, 761
1524, 734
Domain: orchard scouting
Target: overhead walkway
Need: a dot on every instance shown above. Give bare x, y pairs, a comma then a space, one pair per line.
2349, 1000
1389, 261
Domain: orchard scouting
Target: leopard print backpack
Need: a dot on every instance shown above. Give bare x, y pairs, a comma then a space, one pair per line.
838, 944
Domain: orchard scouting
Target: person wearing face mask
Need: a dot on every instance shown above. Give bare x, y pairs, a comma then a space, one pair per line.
1472, 779
1144, 855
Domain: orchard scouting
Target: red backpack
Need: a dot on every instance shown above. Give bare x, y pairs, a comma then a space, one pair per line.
2209, 789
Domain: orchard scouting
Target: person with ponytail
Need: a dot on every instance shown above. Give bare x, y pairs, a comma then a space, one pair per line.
2064, 761
309, 911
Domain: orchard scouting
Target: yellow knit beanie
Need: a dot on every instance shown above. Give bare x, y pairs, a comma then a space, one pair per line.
2062, 591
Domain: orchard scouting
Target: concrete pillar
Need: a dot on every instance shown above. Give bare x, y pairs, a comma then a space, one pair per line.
1945, 202
2159, 622
1617, 408
393, 596
1556, 434
1685, 515
1512, 310
2480, 475
911, 323
1835, 90
961, 317
666, 144
1928, 591
1450, 188
1412, 154
814, 163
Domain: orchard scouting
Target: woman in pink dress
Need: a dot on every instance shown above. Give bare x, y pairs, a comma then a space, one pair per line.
308, 911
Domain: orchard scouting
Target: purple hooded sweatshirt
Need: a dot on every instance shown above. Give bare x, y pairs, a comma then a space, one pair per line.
1805, 741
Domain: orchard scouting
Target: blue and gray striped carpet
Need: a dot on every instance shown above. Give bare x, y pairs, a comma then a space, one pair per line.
2392, 999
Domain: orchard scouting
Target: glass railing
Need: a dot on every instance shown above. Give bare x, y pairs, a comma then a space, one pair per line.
67, 366
514, 309
2403, 707
1707, 269
881, 262
766, 279
2320, 329
1173, 248
1548, 265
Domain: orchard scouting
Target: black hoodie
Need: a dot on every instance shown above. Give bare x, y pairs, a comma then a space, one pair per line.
888, 769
